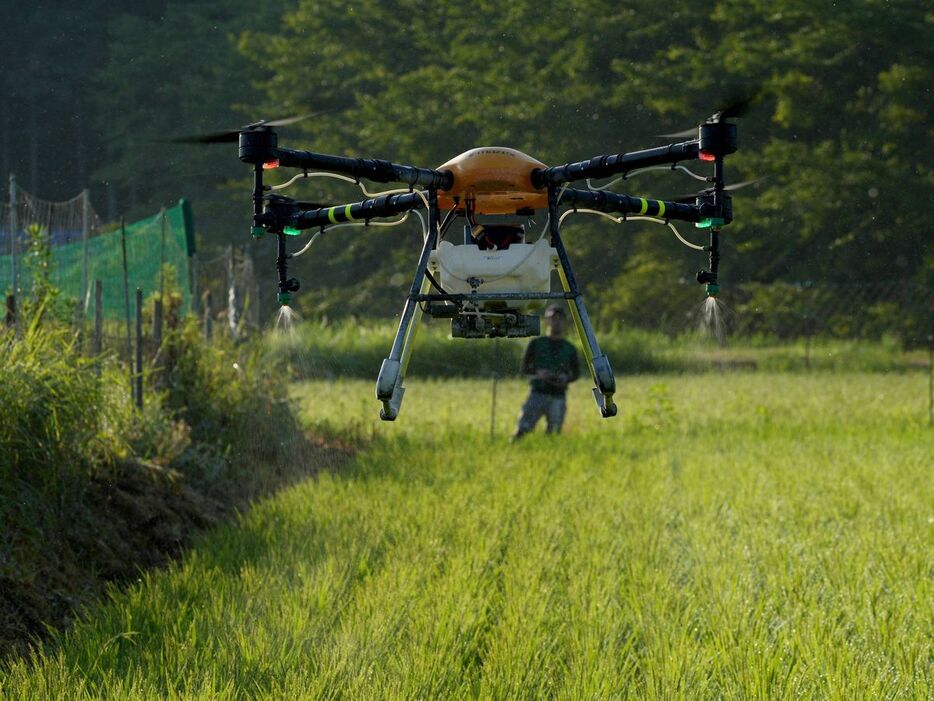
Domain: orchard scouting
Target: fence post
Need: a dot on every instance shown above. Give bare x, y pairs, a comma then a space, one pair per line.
208, 321
126, 298
493, 408
193, 282
157, 325
10, 310
97, 342
231, 290
930, 380
162, 259
251, 291
13, 231
139, 349
171, 345
85, 234
496, 364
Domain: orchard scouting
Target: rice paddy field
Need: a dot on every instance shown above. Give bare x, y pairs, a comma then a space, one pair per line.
727, 536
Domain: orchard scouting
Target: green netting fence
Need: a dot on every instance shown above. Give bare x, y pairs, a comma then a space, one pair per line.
166, 237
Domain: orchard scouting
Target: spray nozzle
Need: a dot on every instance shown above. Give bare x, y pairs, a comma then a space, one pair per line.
705, 277
286, 288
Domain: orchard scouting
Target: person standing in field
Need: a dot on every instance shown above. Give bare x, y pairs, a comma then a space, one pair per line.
551, 364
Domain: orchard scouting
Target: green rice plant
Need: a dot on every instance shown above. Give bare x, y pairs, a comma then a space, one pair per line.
727, 536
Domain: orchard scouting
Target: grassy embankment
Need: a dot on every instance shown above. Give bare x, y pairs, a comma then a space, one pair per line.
93, 490
727, 536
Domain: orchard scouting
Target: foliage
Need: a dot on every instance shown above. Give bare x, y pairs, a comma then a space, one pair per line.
841, 199
38, 261
45, 299
57, 416
649, 293
841, 126
233, 401
191, 41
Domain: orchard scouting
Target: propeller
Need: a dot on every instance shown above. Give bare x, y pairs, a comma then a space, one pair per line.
308, 206
233, 135
737, 107
689, 199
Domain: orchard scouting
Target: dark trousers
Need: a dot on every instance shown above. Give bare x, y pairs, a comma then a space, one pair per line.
539, 404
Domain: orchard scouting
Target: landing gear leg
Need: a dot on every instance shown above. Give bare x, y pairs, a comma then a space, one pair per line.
390, 383
597, 362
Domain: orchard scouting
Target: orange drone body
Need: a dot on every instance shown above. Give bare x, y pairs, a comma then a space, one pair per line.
496, 178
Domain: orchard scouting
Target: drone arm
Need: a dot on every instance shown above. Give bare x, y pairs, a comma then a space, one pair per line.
374, 169
611, 202
606, 165
277, 217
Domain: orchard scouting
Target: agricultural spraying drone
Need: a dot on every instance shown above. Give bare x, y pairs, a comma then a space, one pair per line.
496, 282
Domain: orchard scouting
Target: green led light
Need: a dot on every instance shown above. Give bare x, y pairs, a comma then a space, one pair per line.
257, 232
709, 222
291, 231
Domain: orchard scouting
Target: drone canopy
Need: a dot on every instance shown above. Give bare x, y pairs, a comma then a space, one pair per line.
496, 178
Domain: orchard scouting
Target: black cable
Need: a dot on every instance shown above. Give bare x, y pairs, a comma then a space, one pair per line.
446, 222
431, 279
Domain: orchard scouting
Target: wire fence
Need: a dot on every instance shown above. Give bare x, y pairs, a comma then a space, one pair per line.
868, 311
68, 245
899, 310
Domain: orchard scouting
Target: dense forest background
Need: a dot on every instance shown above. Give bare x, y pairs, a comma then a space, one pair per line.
841, 127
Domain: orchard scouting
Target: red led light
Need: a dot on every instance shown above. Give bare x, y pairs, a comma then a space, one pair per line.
706, 156
269, 165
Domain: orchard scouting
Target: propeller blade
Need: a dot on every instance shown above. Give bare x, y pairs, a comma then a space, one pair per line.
689, 199
737, 105
685, 199
686, 134
292, 120
233, 135
218, 137
745, 183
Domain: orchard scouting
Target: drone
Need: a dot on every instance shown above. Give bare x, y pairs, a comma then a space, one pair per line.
497, 281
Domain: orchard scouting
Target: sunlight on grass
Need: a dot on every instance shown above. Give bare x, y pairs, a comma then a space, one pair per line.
736, 537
